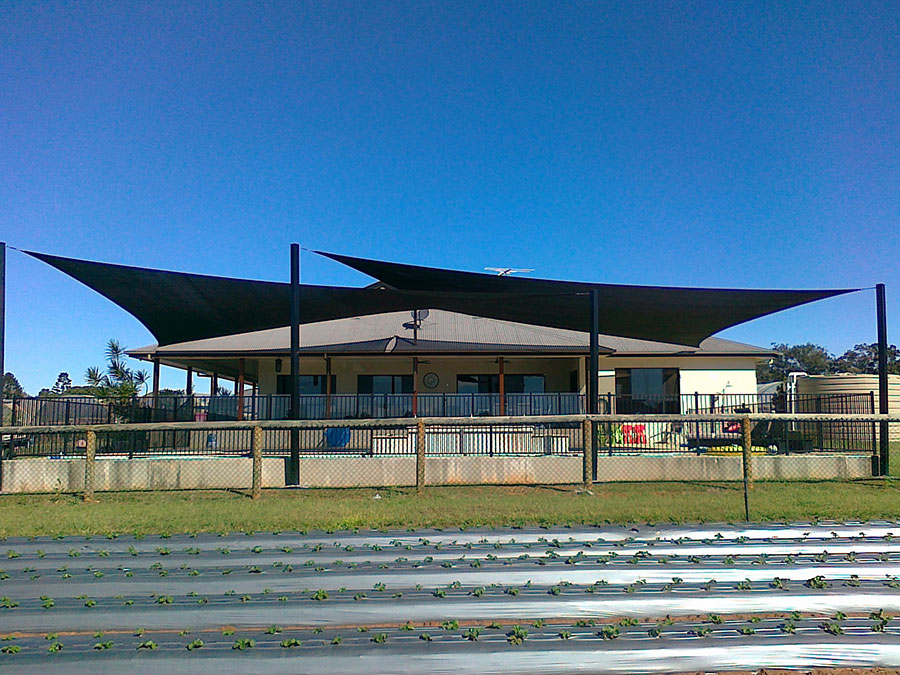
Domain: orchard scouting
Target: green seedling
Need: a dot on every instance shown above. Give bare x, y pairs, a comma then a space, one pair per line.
609, 632
817, 582
425, 636
148, 644
703, 631
788, 627
320, 595
290, 642
359, 596
517, 635
90, 603
55, 647
407, 626
585, 623
472, 634
273, 630
450, 624
629, 621
10, 649
379, 638
746, 630
439, 593
47, 603
104, 645
564, 635
164, 600
655, 632
832, 627
227, 631
336, 640
243, 643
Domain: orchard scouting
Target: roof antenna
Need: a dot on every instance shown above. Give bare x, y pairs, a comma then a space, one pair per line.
506, 271
418, 316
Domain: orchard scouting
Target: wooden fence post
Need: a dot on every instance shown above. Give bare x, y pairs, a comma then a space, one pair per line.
587, 435
90, 452
256, 446
748, 469
420, 456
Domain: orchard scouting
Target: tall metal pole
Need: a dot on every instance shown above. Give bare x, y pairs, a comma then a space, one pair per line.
294, 466
2, 316
884, 440
594, 369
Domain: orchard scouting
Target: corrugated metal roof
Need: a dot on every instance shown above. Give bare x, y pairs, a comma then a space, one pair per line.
441, 332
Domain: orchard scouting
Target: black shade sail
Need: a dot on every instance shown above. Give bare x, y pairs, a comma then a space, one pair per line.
664, 313
179, 307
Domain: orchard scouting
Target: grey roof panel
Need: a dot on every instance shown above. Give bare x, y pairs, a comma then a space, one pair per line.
441, 332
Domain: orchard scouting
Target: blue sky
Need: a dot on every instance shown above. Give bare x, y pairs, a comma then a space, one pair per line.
676, 143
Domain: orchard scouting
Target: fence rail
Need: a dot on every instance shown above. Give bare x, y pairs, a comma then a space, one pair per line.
549, 449
199, 408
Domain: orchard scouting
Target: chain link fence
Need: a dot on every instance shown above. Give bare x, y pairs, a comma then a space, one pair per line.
560, 450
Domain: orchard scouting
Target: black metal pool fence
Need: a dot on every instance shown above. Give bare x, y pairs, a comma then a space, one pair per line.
63, 410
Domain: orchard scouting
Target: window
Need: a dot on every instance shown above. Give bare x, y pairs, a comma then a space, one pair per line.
490, 384
384, 384
647, 390
309, 384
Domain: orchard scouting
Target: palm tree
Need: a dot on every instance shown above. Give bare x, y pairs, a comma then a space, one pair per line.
118, 381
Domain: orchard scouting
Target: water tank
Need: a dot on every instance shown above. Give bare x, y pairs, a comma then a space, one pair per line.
850, 383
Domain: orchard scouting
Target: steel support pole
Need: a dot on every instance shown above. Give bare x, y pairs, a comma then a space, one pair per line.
884, 429
501, 379
415, 393
2, 317
594, 370
328, 391
155, 399
294, 465
239, 389
189, 382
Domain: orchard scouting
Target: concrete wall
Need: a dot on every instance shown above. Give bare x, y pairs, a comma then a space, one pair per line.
67, 475
712, 468
41, 474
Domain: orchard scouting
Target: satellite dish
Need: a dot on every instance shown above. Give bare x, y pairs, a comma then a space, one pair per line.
419, 314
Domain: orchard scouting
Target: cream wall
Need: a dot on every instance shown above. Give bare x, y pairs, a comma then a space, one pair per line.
704, 375
346, 370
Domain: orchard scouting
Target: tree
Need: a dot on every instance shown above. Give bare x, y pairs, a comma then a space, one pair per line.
63, 384
808, 358
11, 387
864, 359
118, 381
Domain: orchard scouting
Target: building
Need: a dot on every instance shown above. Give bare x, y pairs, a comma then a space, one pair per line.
443, 363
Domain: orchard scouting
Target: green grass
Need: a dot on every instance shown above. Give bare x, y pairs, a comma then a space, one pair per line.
222, 511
